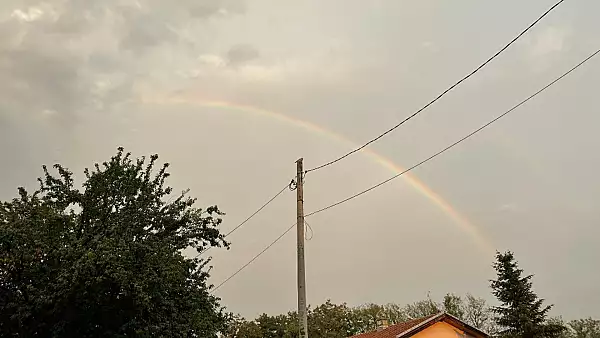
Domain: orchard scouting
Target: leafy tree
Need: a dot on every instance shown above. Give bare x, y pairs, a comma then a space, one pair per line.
394, 313
476, 311
280, 326
236, 325
422, 308
330, 320
364, 318
479, 314
585, 328
580, 328
107, 260
265, 326
453, 305
249, 330
522, 314
566, 333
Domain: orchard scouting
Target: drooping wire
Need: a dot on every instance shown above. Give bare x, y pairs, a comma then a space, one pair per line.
250, 217
312, 233
414, 166
460, 140
257, 211
440, 95
254, 258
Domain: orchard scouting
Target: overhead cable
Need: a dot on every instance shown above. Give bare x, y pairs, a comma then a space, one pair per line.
440, 95
459, 141
414, 166
250, 217
254, 258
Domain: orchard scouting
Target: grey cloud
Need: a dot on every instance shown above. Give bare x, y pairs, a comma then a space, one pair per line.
38, 75
73, 57
240, 54
208, 8
155, 21
145, 31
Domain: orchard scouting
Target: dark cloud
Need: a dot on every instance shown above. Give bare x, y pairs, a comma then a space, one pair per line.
240, 54
82, 56
38, 75
145, 31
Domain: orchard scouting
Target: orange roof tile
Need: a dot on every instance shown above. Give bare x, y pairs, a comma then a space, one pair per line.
393, 331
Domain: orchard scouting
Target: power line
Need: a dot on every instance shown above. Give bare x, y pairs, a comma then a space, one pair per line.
440, 95
459, 141
257, 211
414, 166
254, 258
250, 217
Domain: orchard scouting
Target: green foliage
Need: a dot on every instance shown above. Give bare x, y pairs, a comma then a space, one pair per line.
520, 304
365, 317
522, 314
585, 328
579, 328
478, 314
453, 305
331, 320
107, 260
422, 308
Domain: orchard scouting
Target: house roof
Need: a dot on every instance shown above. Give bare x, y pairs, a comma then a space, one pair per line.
407, 329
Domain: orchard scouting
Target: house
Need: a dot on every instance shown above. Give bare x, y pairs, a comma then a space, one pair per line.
440, 325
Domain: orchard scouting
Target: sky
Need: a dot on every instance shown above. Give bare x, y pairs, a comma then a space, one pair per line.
233, 92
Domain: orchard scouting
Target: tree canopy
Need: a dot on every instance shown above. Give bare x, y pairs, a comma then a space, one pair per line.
330, 320
106, 260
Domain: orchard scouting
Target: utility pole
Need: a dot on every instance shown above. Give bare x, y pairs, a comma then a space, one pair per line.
302, 316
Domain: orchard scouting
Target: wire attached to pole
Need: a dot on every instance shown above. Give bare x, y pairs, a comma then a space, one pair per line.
249, 217
414, 166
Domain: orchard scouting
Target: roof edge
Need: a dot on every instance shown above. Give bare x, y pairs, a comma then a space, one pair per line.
438, 318
422, 324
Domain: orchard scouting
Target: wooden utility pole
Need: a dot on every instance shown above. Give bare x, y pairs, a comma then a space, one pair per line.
302, 316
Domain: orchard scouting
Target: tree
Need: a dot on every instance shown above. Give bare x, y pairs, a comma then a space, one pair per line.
585, 328
522, 314
364, 318
394, 314
422, 308
236, 325
280, 326
579, 328
107, 260
479, 314
453, 305
330, 320
247, 329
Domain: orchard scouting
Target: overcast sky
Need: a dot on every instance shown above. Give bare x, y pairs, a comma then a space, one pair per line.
78, 78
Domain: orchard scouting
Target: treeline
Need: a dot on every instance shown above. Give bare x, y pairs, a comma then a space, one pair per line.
521, 314
330, 320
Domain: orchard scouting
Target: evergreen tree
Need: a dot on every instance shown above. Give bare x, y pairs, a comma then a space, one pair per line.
522, 314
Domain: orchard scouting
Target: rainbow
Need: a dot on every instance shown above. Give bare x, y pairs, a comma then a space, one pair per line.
461, 221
